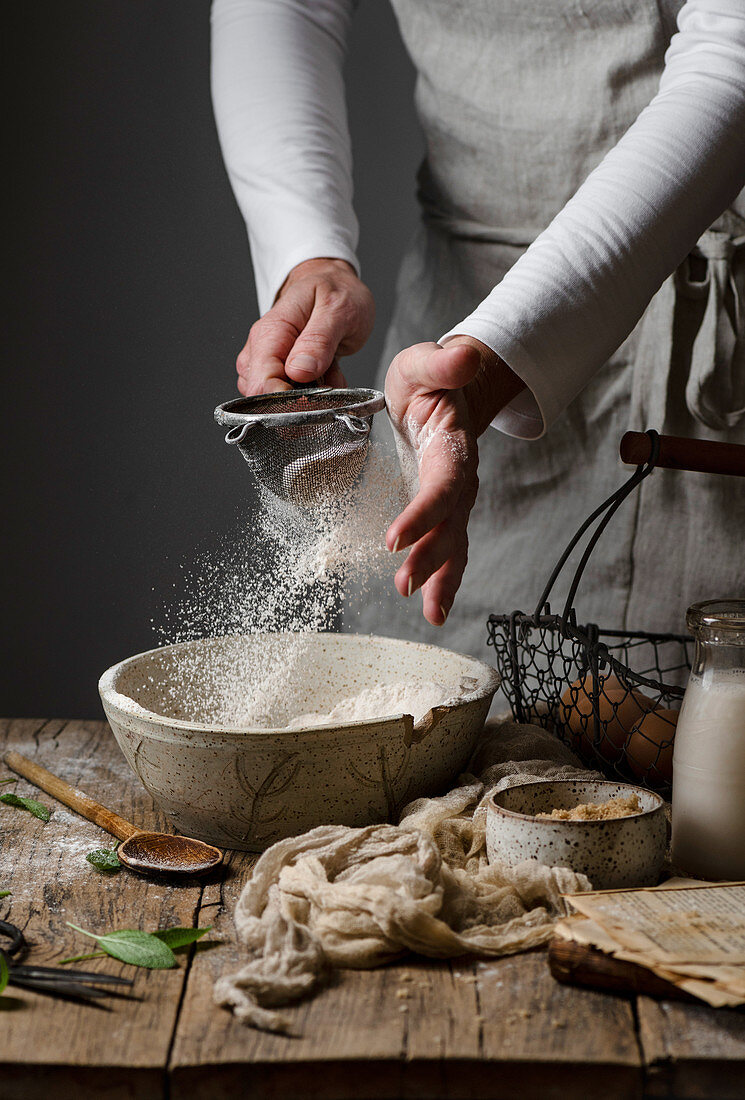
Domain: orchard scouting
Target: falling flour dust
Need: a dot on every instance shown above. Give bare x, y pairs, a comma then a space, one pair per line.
291, 570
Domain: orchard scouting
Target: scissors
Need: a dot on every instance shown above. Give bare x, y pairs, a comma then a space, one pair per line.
50, 979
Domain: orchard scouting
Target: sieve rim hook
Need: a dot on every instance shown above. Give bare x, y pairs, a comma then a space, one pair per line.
355, 424
238, 433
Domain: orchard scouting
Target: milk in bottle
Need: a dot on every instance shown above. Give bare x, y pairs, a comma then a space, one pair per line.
708, 832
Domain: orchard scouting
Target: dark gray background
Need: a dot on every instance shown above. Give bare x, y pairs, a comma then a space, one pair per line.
131, 294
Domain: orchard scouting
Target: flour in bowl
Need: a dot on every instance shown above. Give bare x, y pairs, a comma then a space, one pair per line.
288, 570
381, 701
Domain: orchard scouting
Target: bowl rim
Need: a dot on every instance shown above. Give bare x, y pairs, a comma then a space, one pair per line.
488, 680
548, 822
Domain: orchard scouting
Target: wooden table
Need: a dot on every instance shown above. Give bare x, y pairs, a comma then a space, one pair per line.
465, 1029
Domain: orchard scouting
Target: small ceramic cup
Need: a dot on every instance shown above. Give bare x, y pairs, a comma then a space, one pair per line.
614, 853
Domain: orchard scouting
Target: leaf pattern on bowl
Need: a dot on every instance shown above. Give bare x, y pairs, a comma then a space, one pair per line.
272, 786
388, 780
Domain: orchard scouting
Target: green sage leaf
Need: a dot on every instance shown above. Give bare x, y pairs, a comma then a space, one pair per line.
38, 809
5, 893
180, 937
4, 972
104, 859
132, 946
12, 779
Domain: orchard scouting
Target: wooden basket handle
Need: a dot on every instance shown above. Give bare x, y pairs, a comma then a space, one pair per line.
676, 453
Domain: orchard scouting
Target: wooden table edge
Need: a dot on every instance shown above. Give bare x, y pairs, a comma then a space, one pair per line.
392, 1079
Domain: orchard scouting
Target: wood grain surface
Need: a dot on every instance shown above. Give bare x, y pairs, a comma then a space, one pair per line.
692, 1052
57, 1048
436, 1031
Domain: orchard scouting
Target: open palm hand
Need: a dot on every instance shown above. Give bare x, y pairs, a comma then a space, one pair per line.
439, 400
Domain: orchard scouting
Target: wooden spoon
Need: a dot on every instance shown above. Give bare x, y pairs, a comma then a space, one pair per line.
146, 853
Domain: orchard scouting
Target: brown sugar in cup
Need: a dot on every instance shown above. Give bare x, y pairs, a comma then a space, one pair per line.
614, 853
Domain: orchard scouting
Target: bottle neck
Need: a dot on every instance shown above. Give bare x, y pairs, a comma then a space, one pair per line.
712, 657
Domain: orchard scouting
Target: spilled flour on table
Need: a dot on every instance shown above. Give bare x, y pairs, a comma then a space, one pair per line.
291, 569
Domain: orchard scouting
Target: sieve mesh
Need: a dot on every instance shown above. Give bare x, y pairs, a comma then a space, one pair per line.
304, 446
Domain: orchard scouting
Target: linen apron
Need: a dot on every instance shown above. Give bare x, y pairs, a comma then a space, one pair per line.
519, 100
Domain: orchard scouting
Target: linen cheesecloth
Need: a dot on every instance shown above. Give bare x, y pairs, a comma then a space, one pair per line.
358, 898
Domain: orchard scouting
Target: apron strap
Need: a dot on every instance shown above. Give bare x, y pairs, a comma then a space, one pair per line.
715, 391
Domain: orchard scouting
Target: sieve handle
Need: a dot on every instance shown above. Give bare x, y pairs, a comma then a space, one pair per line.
355, 423
703, 456
238, 433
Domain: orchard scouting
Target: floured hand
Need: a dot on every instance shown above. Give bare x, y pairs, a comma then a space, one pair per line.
440, 399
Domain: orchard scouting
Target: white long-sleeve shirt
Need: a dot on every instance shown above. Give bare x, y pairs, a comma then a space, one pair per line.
580, 288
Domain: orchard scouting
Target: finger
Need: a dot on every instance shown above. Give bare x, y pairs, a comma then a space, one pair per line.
430, 553
261, 362
438, 594
270, 385
447, 464
317, 344
427, 368
334, 377
448, 540
269, 380
427, 510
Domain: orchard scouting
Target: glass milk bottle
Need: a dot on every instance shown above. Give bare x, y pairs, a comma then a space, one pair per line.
708, 838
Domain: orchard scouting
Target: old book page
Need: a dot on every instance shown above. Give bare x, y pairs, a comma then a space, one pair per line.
692, 935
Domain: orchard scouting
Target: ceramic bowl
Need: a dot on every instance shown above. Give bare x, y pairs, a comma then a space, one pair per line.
247, 788
616, 853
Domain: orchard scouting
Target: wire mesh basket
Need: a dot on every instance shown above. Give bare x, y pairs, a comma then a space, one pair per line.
611, 696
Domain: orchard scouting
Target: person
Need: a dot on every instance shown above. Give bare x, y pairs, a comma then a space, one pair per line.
579, 270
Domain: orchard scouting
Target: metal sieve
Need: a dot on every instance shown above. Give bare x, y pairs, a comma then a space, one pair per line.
303, 445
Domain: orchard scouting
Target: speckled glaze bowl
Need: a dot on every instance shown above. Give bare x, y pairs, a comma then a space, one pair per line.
247, 788
617, 853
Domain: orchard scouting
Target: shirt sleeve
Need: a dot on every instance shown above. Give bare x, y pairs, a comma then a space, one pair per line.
278, 95
579, 289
